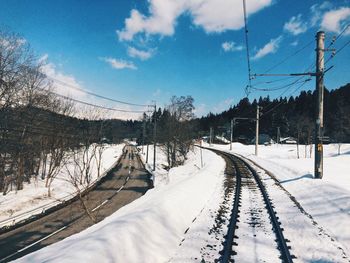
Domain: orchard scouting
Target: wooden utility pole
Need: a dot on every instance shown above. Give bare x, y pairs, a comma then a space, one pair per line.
154, 137
320, 36
257, 130
211, 136
147, 153
143, 133
201, 153
231, 135
278, 135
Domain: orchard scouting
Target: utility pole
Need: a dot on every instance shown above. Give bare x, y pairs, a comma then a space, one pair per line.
257, 130
211, 136
278, 135
154, 136
147, 153
143, 133
201, 153
231, 135
320, 36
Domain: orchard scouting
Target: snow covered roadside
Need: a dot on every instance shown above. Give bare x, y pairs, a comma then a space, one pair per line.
34, 196
326, 200
149, 229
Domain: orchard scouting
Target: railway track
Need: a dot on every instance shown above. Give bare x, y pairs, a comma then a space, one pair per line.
251, 215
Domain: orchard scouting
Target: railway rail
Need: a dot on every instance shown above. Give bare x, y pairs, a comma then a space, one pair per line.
247, 178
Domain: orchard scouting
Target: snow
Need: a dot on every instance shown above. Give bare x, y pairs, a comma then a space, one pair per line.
326, 202
33, 199
151, 228
178, 221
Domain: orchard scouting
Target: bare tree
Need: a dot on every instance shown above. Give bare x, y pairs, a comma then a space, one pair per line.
86, 156
176, 132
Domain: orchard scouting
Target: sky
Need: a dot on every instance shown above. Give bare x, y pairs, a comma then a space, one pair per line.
143, 51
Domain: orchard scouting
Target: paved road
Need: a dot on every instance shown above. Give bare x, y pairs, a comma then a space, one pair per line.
125, 183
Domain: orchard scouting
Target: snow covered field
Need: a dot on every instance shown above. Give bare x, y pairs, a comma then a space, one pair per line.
34, 196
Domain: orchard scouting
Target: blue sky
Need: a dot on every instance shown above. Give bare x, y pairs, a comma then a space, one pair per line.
141, 51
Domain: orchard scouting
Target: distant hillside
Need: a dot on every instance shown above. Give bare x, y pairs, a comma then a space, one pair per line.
37, 122
295, 116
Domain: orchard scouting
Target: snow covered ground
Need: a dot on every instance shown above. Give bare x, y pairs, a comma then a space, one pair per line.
151, 228
177, 220
34, 196
327, 201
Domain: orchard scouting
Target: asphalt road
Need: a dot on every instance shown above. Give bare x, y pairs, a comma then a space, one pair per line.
125, 183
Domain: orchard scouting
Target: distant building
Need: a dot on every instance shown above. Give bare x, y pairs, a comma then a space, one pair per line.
288, 140
264, 139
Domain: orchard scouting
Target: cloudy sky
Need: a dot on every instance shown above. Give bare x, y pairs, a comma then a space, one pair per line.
140, 51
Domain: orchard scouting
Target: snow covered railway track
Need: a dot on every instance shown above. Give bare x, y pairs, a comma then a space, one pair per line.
251, 218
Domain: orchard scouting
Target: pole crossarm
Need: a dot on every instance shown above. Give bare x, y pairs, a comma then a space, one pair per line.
241, 118
287, 74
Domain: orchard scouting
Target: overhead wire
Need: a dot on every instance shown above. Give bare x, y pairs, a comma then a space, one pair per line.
247, 49
335, 52
272, 81
282, 102
289, 56
279, 87
95, 94
93, 105
299, 80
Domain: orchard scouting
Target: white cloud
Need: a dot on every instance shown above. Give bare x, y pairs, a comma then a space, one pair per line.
295, 25
335, 20
157, 93
200, 110
317, 11
211, 15
231, 46
141, 54
269, 48
63, 84
223, 105
119, 63
294, 43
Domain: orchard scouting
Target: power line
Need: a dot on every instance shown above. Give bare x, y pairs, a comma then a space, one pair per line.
280, 87
97, 95
339, 35
93, 105
280, 103
337, 52
289, 56
247, 48
334, 40
271, 81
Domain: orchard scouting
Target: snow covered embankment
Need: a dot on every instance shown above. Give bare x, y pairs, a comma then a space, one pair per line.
150, 228
34, 196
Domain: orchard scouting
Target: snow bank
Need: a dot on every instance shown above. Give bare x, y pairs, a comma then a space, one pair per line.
150, 228
34, 196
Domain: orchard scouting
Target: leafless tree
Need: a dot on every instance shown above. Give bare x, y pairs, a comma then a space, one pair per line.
86, 156
176, 129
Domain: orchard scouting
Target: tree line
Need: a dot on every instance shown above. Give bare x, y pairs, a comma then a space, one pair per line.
295, 116
39, 134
